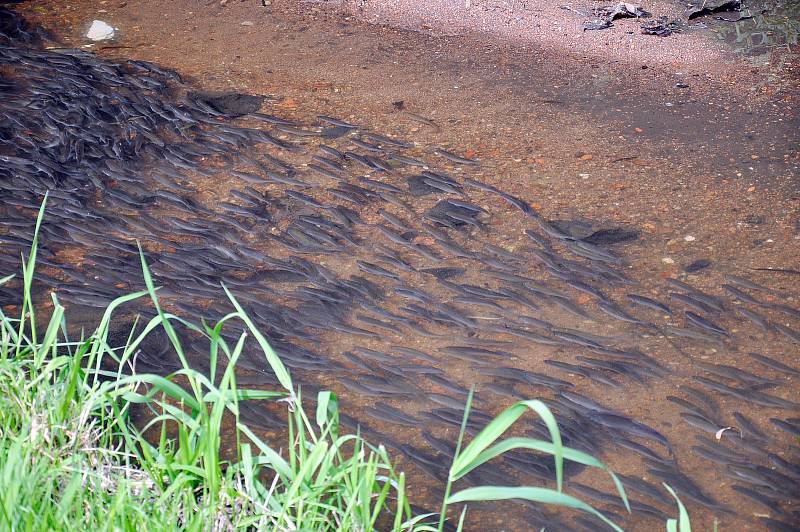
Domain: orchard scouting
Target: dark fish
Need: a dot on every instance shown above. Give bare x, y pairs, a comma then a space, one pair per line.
648, 302
380, 324
374, 269
579, 370
446, 400
746, 283
382, 139
331, 151
391, 414
616, 312
740, 295
630, 426
754, 317
785, 309
750, 395
788, 332
792, 426
700, 422
748, 429
731, 372
414, 353
456, 158
772, 502
640, 486
336, 122
703, 323
692, 302
406, 160
774, 364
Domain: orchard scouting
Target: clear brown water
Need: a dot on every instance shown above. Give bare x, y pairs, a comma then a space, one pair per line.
574, 139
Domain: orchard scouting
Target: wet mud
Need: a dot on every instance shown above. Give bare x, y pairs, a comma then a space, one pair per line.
399, 267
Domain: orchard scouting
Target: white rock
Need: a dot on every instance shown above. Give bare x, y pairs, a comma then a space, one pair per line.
668, 260
247, 23
100, 31
689, 238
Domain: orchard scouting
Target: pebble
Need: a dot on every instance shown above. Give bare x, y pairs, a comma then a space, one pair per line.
689, 238
668, 260
247, 23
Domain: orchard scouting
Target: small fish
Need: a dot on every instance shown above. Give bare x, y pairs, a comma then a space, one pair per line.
700, 422
692, 302
748, 428
703, 323
774, 364
754, 317
740, 295
788, 332
688, 405
336, 122
331, 151
421, 119
746, 283
625, 424
386, 140
614, 311
648, 302
456, 158
406, 160
374, 269
366, 145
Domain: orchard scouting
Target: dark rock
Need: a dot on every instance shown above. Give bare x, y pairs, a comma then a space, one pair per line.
230, 103
662, 27
611, 236
418, 187
701, 8
443, 208
597, 24
622, 10
593, 232
698, 265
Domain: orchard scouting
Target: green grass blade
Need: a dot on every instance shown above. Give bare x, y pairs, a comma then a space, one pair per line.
274, 361
273, 458
466, 460
540, 495
27, 279
684, 523
620, 490
461, 519
161, 384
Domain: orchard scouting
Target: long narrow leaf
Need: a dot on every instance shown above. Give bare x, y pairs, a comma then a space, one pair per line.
540, 495
684, 523
498, 426
274, 361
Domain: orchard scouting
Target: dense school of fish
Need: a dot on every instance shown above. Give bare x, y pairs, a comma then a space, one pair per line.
373, 272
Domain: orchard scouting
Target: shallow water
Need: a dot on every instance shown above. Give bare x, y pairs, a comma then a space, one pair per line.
761, 28
571, 153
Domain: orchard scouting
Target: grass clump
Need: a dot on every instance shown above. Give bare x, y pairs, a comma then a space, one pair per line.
71, 458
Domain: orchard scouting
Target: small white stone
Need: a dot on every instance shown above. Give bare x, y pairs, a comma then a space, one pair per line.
247, 23
584, 176
689, 238
99, 31
667, 260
